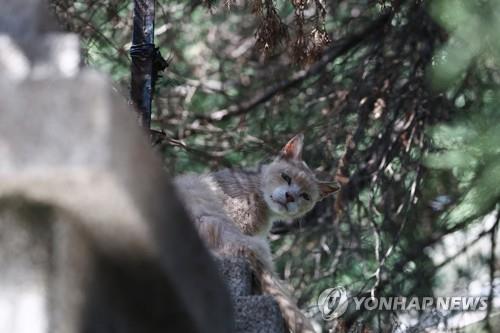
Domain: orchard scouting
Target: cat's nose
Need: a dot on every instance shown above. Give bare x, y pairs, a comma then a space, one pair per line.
289, 197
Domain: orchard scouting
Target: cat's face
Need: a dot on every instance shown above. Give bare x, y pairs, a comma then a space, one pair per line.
289, 186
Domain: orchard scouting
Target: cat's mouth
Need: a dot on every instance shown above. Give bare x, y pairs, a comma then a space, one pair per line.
284, 205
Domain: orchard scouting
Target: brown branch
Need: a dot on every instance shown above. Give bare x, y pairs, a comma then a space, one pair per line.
330, 55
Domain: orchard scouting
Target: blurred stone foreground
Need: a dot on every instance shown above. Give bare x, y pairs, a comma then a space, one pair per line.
92, 238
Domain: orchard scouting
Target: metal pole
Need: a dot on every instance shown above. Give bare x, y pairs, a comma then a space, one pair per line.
142, 53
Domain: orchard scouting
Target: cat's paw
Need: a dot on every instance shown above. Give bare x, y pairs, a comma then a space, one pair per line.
253, 249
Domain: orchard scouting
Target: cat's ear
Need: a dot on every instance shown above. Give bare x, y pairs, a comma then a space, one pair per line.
293, 149
327, 188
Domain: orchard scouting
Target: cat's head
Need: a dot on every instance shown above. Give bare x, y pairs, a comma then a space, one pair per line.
289, 187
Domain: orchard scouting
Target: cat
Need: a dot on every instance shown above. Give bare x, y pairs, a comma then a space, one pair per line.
233, 211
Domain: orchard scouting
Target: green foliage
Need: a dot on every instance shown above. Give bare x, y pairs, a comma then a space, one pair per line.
472, 27
469, 147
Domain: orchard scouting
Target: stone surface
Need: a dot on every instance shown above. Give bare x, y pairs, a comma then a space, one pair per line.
47, 56
257, 314
253, 312
31, 45
121, 247
14, 65
24, 19
54, 54
237, 276
23, 273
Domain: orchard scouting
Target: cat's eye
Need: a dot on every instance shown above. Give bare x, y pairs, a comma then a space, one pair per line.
306, 196
286, 178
